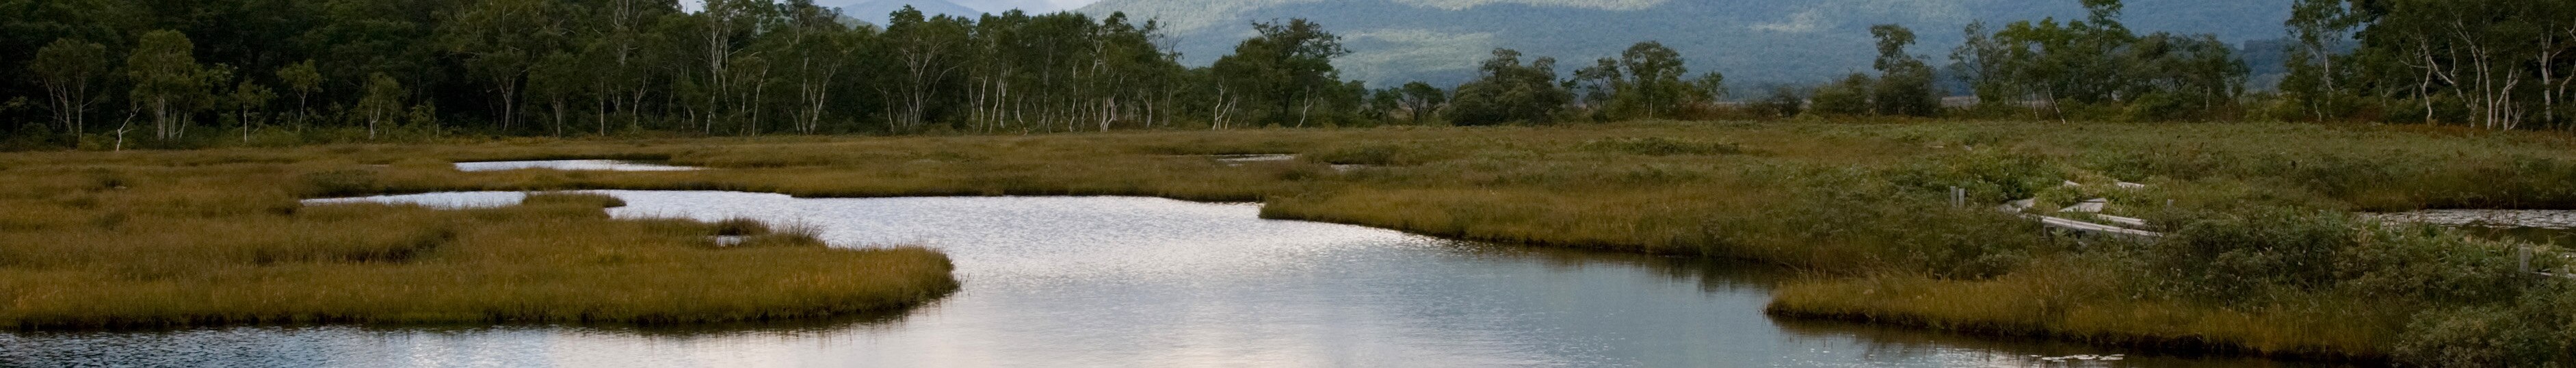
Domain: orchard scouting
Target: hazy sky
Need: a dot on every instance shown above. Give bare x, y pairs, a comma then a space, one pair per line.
989, 6
994, 6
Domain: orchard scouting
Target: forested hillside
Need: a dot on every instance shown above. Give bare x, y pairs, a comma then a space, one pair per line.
1754, 41
874, 11
111, 74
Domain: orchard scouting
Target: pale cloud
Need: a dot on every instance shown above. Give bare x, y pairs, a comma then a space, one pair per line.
1189, 15
1803, 22
1185, 16
1032, 6
1828, 15
1591, 4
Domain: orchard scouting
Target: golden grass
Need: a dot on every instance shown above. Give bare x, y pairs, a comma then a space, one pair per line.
2061, 301
145, 246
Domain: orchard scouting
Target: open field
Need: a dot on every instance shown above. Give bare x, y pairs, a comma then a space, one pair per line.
2261, 258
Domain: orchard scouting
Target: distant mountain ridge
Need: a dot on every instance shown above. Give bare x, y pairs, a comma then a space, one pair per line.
875, 11
1752, 41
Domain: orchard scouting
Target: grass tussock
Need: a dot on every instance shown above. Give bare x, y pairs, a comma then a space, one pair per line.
578, 199
2271, 282
2263, 259
1660, 146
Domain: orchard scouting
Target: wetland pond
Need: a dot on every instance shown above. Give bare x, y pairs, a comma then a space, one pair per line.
1122, 281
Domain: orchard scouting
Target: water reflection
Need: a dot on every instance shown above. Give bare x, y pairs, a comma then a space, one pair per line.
568, 165
1110, 281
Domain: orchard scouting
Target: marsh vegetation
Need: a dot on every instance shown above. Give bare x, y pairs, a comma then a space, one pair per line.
144, 241
1857, 182
2263, 256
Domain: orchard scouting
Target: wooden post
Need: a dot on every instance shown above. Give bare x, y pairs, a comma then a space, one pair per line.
1958, 197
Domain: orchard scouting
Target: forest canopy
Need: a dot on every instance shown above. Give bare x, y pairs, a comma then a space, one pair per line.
174, 74
102, 74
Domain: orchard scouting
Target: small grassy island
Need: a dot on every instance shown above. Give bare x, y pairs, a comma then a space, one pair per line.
160, 240
2262, 252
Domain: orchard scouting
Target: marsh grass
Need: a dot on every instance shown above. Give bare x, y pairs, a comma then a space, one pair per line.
2278, 283
1863, 205
226, 244
1660, 146
595, 200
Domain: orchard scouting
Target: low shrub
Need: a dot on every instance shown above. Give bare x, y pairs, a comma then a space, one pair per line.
1660, 146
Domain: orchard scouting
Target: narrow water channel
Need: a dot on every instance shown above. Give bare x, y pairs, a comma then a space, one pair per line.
1120, 281
569, 165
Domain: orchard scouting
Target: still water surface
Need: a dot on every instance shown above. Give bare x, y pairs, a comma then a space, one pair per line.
1118, 281
568, 165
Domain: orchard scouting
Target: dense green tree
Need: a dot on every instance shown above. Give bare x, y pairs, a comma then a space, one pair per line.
1287, 70
2098, 62
1596, 88
818, 50
730, 67
303, 79
168, 82
1384, 103
762, 66
383, 103
2176, 75
2314, 83
2488, 61
500, 40
30, 27
555, 80
1509, 91
1849, 96
1781, 100
1904, 86
1420, 100
1647, 80
70, 71
1655, 87
927, 54
1710, 86
247, 99
720, 35
2498, 64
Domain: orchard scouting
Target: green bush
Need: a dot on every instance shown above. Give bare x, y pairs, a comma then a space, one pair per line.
574, 199
1378, 153
2234, 258
1988, 175
2538, 331
1846, 98
1660, 146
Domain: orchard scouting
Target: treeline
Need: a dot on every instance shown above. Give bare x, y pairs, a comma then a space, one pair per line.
2496, 64
105, 74
2096, 68
2499, 64
108, 74
2090, 69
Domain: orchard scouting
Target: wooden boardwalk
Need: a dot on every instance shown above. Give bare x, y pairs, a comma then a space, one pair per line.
2095, 229
2082, 227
